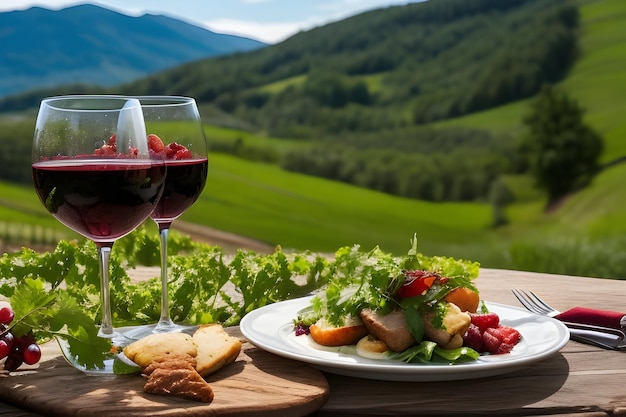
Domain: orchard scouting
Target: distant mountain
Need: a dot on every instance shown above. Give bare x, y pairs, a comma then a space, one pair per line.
88, 44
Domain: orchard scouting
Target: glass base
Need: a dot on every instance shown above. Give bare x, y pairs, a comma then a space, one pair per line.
112, 364
139, 332
117, 363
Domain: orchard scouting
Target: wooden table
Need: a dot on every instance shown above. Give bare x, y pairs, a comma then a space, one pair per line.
580, 380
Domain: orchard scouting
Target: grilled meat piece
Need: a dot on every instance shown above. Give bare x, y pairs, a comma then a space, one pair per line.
390, 328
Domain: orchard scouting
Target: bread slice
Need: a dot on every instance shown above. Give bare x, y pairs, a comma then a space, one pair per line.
158, 345
325, 334
216, 348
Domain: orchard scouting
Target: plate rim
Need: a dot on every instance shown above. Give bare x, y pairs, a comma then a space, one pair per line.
272, 342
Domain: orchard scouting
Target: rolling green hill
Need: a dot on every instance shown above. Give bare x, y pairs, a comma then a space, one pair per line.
597, 80
388, 68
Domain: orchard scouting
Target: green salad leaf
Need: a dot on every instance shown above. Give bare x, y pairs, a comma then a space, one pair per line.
56, 294
368, 279
428, 352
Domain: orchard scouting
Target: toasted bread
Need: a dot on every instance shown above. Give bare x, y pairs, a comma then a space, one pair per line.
216, 348
145, 351
327, 335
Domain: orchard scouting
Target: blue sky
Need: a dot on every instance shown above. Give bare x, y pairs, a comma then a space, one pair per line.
270, 21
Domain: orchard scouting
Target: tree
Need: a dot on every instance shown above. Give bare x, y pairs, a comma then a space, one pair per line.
499, 196
561, 150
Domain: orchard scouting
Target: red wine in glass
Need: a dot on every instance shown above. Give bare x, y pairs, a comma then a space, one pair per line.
184, 182
176, 134
102, 200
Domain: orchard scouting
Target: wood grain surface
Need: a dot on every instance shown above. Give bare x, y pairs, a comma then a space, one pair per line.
580, 380
256, 384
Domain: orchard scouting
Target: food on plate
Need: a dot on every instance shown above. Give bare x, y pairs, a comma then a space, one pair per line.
465, 298
370, 347
487, 334
454, 325
413, 308
176, 363
346, 334
216, 348
390, 328
175, 375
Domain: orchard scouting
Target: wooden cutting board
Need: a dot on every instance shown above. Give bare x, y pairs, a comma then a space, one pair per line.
258, 383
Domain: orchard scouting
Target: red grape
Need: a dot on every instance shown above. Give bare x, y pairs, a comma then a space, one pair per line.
6, 315
5, 349
9, 338
31, 354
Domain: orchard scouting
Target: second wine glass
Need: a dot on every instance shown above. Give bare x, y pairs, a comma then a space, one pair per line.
174, 129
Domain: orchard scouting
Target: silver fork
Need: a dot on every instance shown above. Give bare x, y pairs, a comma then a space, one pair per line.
604, 337
534, 304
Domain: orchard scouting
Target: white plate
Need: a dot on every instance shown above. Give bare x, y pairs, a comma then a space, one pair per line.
271, 328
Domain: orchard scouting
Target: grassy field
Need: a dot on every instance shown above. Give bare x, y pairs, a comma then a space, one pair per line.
298, 211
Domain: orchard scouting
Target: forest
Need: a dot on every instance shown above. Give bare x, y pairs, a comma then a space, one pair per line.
390, 68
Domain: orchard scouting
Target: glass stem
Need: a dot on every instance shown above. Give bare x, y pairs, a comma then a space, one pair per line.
165, 320
104, 255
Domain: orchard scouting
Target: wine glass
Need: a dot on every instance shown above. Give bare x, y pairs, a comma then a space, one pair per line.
93, 171
175, 131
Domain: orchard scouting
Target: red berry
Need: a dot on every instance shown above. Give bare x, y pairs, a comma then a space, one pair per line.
473, 338
485, 334
6, 315
183, 154
505, 348
31, 354
177, 151
8, 338
106, 150
509, 335
492, 340
155, 144
485, 321
5, 349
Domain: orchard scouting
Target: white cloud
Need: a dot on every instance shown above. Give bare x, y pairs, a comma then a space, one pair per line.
26, 4
269, 32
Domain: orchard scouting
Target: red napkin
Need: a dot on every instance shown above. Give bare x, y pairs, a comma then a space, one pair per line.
594, 317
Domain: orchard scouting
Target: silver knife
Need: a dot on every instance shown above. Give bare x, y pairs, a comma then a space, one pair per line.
604, 337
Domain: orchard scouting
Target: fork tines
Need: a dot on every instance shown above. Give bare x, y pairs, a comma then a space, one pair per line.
532, 302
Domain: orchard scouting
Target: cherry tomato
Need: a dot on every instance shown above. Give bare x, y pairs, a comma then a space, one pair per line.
416, 283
